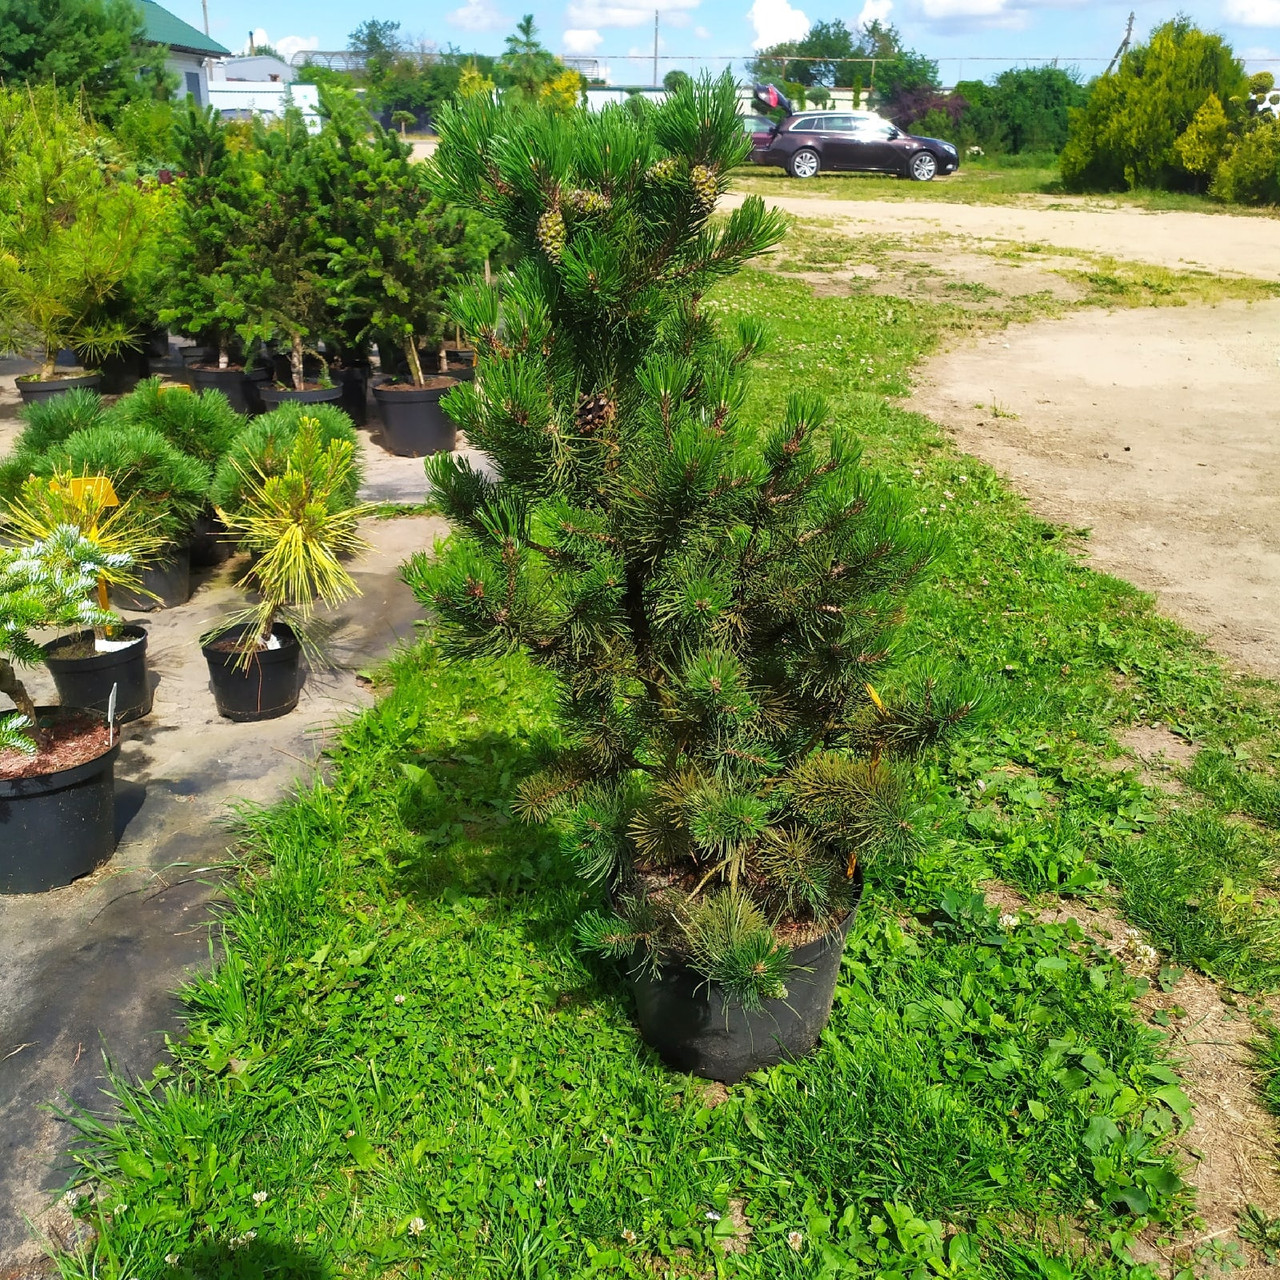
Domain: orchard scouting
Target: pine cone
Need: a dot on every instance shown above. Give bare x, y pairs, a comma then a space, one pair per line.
551, 237
594, 411
705, 187
588, 201
662, 171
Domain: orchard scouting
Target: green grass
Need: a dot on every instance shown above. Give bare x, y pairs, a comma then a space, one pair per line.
986, 1103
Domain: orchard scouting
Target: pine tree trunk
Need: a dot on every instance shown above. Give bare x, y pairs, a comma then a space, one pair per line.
224, 356
444, 358
296, 361
11, 685
415, 365
48, 364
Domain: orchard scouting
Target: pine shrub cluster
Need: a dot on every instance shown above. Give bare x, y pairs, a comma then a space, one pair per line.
715, 602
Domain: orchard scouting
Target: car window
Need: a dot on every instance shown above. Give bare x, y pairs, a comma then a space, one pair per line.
836, 124
872, 128
803, 125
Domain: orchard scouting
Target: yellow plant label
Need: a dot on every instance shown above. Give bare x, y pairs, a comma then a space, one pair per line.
98, 487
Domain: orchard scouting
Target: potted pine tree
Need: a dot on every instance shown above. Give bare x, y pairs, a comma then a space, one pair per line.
69, 235
204, 260
168, 488
283, 285
714, 601
297, 534
400, 251
105, 666
57, 764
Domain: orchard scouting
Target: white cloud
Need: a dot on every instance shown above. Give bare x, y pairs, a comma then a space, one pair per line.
479, 15
702, 33
621, 13
582, 40
775, 21
874, 11
1253, 13
289, 45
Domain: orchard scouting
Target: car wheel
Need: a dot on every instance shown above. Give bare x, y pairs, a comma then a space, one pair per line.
923, 167
805, 163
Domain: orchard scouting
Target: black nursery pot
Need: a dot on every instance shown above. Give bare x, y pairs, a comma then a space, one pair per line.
58, 826
268, 687
33, 391
210, 543
695, 1028
241, 386
87, 681
413, 423
272, 395
353, 381
169, 580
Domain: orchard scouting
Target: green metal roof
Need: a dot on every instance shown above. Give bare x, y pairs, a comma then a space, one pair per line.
164, 27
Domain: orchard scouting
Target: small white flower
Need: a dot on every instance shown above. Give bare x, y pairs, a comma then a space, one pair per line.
171, 1259
628, 1235
608, 1141
118, 1210
417, 1226
539, 1183
351, 1133
712, 1216
963, 479
923, 510
942, 506
1148, 955
488, 1071
399, 999
1009, 920
795, 1240
259, 1197
950, 497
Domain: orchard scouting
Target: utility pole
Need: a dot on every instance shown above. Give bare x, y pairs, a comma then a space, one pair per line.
204, 4
656, 81
1124, 46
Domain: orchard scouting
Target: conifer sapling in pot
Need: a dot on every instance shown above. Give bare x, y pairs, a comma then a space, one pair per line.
102, 667
297, 536
57, 785
715, 601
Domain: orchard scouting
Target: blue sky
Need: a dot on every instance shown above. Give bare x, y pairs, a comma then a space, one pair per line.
970, 38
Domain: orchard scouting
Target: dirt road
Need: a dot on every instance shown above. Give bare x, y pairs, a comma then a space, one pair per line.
1218, 242
1156, 427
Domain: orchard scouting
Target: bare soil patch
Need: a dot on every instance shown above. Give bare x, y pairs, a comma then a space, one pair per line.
1212, 241
1153, 429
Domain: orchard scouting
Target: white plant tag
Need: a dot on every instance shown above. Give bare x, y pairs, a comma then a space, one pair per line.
111, 716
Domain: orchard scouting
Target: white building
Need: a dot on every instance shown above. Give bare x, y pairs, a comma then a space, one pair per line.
243, 99
191, 52
258, 67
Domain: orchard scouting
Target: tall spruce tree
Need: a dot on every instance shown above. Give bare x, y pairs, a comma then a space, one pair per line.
203, 262
713, 602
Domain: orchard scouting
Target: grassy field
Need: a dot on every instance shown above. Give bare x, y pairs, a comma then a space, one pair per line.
402, 1066
984, 181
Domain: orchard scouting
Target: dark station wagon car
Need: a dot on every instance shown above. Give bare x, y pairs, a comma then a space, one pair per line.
808, 142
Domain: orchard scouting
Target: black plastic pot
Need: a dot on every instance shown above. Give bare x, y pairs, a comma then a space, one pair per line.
273, 395
694, 1028
155, 342
122, 371
59, 826
87, 682
354, 383
211, 545
461, 355
413, 423
241, 386
34, 391
199, 353
268, 687
167, 580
